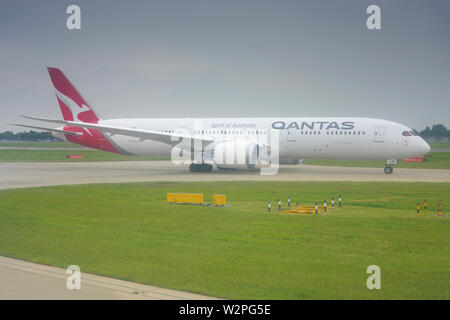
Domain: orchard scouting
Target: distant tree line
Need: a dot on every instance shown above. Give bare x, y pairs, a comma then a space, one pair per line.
27, 136
437, 131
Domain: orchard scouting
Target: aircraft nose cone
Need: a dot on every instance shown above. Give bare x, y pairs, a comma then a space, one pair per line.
424, 147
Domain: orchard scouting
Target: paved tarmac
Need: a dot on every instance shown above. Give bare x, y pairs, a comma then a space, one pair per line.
31, 281
32, 174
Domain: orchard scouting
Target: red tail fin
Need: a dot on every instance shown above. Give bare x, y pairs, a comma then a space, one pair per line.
72, 104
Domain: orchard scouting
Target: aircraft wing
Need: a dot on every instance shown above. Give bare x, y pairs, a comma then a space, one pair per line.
48, 129
169, 138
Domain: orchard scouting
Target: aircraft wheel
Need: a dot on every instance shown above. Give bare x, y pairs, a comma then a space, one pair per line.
203, 167
388, 170
206, 167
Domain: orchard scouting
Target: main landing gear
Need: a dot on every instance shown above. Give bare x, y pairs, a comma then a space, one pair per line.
388, 169
200, 167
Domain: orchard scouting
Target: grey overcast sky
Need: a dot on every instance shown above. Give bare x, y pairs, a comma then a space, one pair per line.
230, 59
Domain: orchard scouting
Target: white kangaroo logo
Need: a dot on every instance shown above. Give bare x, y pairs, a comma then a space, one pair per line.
74, 107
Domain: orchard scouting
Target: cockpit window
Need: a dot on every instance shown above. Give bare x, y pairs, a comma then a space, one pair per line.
406, 133
413, 133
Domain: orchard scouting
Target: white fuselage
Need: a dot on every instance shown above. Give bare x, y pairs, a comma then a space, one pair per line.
299, 138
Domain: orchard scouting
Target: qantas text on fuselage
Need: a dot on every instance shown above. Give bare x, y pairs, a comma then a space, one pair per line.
346, 125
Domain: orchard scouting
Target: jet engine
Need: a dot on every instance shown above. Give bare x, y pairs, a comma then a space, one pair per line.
236, 154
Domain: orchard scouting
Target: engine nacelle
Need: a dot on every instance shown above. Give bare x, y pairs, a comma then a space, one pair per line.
236, 154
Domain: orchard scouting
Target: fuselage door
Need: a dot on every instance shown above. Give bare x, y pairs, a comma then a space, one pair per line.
378, 134
291, 135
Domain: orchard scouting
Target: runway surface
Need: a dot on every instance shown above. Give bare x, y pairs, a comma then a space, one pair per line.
26, 280
32, 174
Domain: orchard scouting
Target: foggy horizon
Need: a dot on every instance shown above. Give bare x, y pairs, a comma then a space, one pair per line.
149, 59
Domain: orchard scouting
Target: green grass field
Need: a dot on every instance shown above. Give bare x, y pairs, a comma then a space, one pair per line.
438, 160
39, 144
440, 145
61, 155
128, 231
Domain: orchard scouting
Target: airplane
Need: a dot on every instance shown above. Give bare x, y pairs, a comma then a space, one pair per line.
217, 141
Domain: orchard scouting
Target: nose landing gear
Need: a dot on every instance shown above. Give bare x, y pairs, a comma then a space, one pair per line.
200, 167
388, 168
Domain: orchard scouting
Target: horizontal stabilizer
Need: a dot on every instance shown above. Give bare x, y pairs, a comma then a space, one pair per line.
49, 129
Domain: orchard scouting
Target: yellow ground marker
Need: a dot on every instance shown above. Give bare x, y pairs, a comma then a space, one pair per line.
219, 199
305, 209
194, 198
